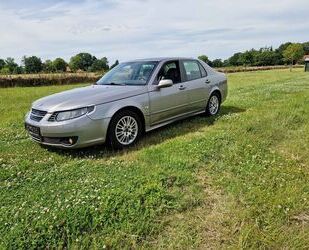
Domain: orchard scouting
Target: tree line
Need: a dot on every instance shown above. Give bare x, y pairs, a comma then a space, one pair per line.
286, 53
33, 64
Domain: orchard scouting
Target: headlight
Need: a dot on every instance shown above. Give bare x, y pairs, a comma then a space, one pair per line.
71, 114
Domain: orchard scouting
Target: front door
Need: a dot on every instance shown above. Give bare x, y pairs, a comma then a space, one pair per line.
170, 102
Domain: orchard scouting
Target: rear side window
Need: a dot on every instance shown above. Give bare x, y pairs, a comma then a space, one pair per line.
192, 70
203, 71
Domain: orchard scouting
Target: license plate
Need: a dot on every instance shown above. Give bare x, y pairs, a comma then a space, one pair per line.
33, 130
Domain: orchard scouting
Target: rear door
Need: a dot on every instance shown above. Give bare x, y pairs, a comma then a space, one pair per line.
198, 84
171, 102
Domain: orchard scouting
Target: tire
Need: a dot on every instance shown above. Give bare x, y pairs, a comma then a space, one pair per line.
213, 105
124, 130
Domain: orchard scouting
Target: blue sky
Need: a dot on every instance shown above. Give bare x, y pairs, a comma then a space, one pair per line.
128, 29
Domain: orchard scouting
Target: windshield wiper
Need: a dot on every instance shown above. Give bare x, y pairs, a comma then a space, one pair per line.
112, 83
115, 83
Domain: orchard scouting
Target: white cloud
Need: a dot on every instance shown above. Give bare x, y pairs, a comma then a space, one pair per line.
134, 28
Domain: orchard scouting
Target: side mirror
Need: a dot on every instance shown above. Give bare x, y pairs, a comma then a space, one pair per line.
165, 83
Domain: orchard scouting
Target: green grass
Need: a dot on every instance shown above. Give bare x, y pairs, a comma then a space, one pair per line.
240, 180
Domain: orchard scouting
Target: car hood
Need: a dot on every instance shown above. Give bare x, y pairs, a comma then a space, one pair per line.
86, 96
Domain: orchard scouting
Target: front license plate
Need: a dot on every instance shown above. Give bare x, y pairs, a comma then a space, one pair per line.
33, 130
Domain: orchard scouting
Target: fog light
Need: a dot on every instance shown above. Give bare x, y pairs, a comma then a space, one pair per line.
69, 141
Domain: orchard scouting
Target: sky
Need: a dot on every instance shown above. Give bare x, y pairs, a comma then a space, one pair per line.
131, 29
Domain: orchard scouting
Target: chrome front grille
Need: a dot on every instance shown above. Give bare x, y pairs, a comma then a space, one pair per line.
37, 115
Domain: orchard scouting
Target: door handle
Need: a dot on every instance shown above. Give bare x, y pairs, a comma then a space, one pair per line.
181, 87
207, 81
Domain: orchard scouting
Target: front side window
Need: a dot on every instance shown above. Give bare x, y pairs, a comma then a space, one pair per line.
192, 70
171, 71
130, 73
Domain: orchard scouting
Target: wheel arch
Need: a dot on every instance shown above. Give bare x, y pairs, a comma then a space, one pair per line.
218, 92
134, 109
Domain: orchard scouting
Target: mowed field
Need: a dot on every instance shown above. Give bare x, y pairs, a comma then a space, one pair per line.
239, 180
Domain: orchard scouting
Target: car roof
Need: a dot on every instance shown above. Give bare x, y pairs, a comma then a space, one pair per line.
159, 59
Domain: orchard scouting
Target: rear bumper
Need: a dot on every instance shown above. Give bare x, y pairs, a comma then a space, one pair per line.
224, 90
82, 131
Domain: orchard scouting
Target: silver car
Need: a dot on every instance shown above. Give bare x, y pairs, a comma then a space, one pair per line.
132, 98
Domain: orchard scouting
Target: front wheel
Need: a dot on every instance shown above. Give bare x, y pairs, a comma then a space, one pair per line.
213, 105
125, 129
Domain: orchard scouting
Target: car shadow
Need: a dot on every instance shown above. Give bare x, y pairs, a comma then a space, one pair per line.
157, 136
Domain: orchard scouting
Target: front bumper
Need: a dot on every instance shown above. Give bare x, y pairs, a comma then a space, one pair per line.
83, 131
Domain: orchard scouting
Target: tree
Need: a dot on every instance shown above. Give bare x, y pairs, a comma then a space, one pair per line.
280, 50
293, 53
283, 47
59, 65
205, 59
5, 71
2, 63
99, 65
82, 61
115, 64
48, 66
18, 70
306, 47
235, 60
32, 64
226, 63
10, 65
217, 63
267, 56
247, 58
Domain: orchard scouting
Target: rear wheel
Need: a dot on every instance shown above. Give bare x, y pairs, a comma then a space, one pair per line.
125, 129
213, 105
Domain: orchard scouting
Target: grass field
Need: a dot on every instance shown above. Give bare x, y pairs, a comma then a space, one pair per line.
240, 180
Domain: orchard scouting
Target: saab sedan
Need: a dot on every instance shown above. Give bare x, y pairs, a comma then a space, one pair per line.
131, 99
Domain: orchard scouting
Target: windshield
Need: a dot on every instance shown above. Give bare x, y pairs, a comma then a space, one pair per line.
130, 73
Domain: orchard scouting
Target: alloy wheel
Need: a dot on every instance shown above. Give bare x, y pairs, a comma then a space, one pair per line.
213, 105
126, 130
